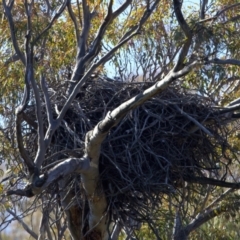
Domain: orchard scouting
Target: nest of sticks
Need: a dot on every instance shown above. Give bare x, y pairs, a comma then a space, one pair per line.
171, 138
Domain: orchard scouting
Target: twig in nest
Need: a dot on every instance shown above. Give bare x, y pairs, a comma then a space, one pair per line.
195, 121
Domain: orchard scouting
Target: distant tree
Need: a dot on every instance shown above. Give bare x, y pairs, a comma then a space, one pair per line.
119, 119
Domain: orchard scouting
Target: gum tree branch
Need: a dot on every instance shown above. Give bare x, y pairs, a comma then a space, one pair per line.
220, 198
230, 108
21, 148
205, 215
19, 111
203, 8
29, 74
225, 61
212, 181
209, 214
79, 68
97, 207
54, 18
188, 34
12, 59
24, 225
25, 100
116, 231
226, 9
47, 100
48, 6
214, 18
110, 16
75, 22
61, 170
143, 19
233, 19
7, 10
22, 107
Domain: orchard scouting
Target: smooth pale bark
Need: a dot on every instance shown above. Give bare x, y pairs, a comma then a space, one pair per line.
88, 165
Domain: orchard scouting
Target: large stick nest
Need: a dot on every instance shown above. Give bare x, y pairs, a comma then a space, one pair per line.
153, 149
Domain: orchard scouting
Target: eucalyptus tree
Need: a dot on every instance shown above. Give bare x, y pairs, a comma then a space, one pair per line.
55, 60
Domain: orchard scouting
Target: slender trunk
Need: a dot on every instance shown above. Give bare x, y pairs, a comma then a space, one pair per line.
180, 235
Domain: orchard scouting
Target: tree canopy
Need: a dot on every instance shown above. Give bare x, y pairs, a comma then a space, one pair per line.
120, 119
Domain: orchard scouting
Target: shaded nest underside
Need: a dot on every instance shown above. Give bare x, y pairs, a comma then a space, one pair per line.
152, 149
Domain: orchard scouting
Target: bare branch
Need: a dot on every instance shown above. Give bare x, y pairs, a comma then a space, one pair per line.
121, 9
95, 47
25, 100
234, 102
81, 45
29, 77
127, 36
143, 19
21, 148
64, 168
219, 13
203, 8
79, 13
87, 17
230, 108
116, 231
81, 60
226, 9
212, 181
182, 22
28, 63
187, 31
75, 22
26, 192
24, 225
48, 6
8, 13
233, 19
224, 61
12, 59
26, 95
55, 17
47, 100
220, 198
209, 214
70, 165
